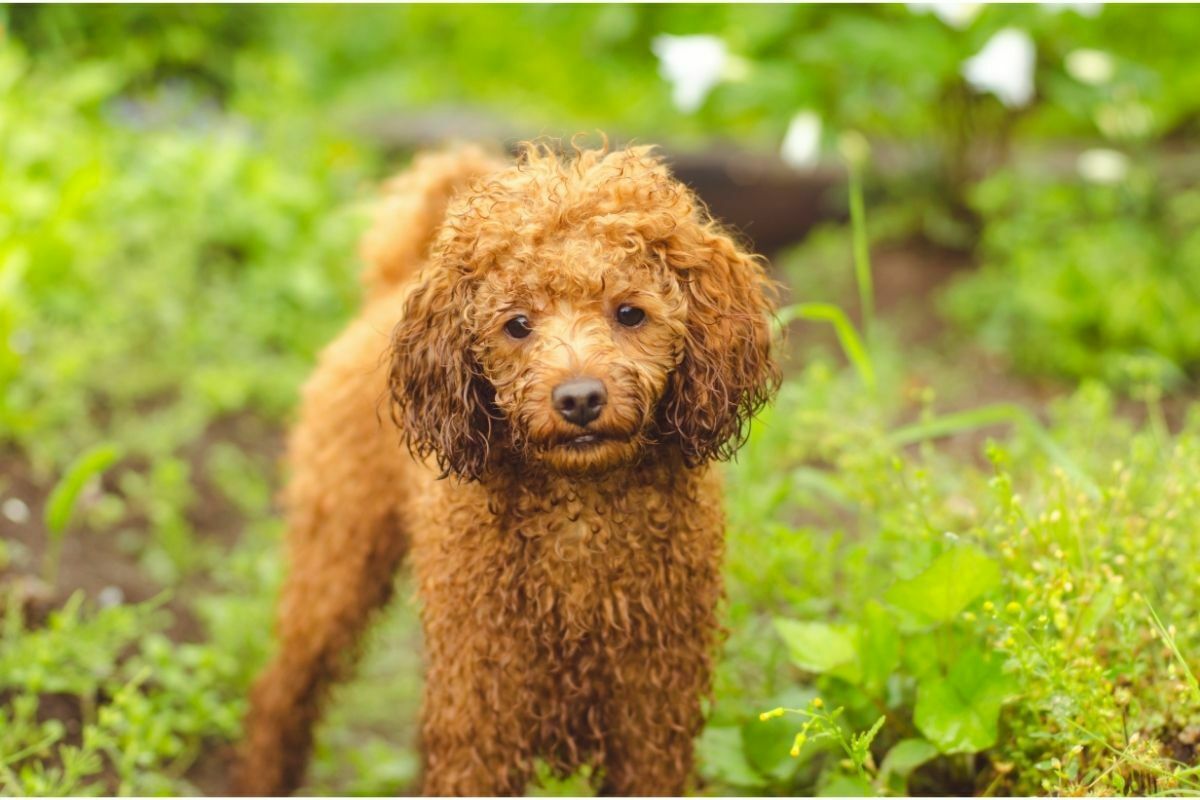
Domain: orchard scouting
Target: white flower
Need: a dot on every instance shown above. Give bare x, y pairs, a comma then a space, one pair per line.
1093, 67
956, 15
1004, 67
693, 65
110, 596
1102, 166
15, 510
801, 146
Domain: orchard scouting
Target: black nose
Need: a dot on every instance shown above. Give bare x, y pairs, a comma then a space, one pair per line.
579, 400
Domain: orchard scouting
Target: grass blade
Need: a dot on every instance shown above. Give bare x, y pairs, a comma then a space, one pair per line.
862, 250
1169, 639
63, 498
852, 344
997, 414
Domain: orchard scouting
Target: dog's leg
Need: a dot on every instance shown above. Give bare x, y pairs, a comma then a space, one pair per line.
479, 714
345, 543
652, 718
466, 753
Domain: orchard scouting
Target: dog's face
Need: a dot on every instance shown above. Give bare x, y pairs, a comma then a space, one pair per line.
576, 316
578, 342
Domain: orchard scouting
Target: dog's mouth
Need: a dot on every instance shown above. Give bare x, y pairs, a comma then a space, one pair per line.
585, 441
588, 440
587, 451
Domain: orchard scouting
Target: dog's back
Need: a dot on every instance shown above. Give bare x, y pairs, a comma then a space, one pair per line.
411, 209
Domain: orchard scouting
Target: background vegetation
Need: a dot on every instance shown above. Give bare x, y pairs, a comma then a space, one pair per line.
961, 543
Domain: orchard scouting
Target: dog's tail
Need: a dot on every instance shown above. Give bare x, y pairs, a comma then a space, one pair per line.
413, 205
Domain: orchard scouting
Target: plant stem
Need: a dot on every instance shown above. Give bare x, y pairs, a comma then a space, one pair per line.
862, 251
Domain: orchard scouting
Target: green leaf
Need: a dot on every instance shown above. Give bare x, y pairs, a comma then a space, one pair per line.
878, 647
766, 744
960, 712
61, 502
847, 786
954, 579
1097, 608
817, 646
997, 413
719, 750
905, 756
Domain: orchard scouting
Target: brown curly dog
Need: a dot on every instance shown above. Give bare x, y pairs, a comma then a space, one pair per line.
580, 342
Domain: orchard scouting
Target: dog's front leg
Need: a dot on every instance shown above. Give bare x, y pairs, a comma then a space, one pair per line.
652, 718
478, 725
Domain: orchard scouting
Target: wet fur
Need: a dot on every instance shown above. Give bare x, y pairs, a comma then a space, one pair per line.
568, 594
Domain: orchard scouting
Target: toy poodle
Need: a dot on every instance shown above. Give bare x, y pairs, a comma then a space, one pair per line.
565, 344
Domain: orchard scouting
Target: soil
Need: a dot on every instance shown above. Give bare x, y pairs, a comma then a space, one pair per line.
96, 561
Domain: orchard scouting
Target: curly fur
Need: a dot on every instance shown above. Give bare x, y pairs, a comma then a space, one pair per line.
569, 591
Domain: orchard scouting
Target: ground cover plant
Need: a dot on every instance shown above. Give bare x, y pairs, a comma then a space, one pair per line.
944, 576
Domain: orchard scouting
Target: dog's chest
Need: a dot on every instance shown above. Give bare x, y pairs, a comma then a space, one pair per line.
566, 564
597, 567
583, 544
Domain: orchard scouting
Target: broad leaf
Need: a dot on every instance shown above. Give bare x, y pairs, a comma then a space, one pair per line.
878, 647
847, 786
954, 579
905, 756
959, 712
817, 646
767, 744
719, 750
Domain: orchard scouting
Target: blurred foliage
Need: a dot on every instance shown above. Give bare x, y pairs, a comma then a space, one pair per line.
888, 71
166, 263
1087, 280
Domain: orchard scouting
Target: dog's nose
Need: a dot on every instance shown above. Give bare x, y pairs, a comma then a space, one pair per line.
579, 400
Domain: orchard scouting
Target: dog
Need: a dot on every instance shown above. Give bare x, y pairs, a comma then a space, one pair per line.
565, 344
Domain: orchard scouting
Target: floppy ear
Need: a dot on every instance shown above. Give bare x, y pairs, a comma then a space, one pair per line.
726, 373
440, 399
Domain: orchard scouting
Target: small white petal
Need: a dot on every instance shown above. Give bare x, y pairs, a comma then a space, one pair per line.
1093, 67
15, 510
1004, 67
956, 15
110, 596
693, 65
1102, 166
801, 146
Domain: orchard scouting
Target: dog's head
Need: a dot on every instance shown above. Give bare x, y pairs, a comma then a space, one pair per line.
578, 315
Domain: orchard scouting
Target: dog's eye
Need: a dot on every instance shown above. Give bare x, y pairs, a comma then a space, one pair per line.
630, 316
518, 327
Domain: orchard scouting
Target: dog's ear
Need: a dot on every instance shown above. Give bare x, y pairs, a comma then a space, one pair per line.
440, 399
726, 372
